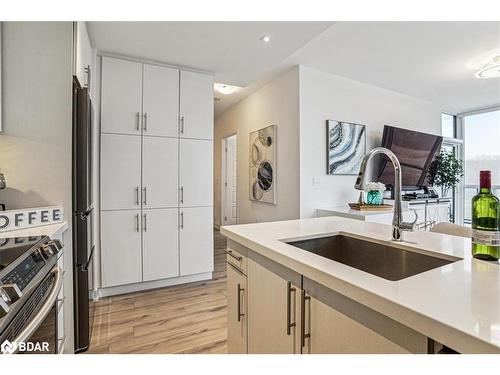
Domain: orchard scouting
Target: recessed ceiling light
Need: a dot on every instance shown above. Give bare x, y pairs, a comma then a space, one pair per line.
266, 38
225, 89
490, 70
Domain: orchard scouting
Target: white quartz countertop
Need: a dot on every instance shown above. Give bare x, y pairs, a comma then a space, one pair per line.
51, 230
457, 304
346, 210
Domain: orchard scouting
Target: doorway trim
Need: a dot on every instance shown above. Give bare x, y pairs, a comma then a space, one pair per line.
223, 178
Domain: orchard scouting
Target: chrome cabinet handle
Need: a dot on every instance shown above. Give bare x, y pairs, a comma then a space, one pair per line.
303, 334
182, 194
137, 223
145, 200
137, 196
181, 121
33, 325
145, 223
87, 70
182, 220
240, 314
138, 125
145, 125
289, 323
230, 253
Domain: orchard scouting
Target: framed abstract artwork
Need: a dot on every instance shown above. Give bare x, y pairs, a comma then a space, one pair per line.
262, 165
346, 147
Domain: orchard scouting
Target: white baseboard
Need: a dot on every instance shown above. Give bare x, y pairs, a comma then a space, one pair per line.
130, 288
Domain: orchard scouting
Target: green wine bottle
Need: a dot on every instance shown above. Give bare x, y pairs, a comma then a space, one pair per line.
485, 221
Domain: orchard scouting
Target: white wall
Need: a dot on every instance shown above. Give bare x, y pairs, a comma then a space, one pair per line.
275, 103
35, 144
325, 96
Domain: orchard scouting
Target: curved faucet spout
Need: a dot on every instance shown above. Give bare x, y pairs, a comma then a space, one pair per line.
397, 222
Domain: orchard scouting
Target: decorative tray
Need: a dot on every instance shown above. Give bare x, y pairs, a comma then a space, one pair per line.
371, 207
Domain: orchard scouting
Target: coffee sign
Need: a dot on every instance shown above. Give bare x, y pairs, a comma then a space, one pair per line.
30, 217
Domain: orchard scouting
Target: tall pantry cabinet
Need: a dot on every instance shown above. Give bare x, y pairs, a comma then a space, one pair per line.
156, 173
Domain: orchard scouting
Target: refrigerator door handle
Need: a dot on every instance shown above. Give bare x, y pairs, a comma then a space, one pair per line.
86, 266
86, 213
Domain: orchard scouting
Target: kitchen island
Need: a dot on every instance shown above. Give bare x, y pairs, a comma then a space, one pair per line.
290, 300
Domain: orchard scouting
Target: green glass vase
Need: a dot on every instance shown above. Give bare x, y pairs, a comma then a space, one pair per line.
374, 197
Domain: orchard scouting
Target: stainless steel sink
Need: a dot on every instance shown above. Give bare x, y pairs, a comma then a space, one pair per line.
388, 262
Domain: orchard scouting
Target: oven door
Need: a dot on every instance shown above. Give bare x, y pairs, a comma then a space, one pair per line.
44, 339
34, 328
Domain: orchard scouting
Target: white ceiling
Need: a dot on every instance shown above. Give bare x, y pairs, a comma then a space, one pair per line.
233, 51
435, 61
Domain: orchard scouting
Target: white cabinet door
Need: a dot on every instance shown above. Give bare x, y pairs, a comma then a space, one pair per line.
197, 105
120, 171
160, 101
268, 316
121, 256
160, 243
196, 240
236, 311
121, 96
196, 172
331, 332
160, 157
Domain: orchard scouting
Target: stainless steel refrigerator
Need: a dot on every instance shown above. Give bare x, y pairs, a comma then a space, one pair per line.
83, 239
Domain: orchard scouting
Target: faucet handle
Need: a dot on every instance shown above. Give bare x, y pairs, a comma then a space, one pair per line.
409, 226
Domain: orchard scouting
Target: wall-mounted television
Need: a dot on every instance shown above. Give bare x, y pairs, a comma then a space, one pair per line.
415, 151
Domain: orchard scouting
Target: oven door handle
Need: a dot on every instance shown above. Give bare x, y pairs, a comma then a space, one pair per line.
33, 325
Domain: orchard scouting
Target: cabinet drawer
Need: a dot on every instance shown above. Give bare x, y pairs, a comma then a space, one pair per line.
237, 256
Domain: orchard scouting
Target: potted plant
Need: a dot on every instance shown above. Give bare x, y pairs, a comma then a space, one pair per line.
446, 171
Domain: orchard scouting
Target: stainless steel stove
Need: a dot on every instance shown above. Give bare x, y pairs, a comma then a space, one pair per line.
30, 282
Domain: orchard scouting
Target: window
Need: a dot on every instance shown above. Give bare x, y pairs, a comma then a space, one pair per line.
481, 133
448, 125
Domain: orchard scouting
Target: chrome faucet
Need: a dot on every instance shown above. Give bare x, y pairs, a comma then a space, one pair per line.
398, 225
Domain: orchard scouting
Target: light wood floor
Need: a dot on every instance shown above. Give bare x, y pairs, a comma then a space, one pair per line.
189, 318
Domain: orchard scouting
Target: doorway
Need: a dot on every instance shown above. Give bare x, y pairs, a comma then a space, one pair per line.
229, 213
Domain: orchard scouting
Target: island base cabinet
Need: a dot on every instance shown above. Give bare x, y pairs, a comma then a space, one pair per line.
328, 331
236, 311
273, 312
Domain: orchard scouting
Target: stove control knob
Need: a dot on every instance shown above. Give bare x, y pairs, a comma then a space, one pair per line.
4, 308
38, 256
47, 251
10, 293
55, 246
